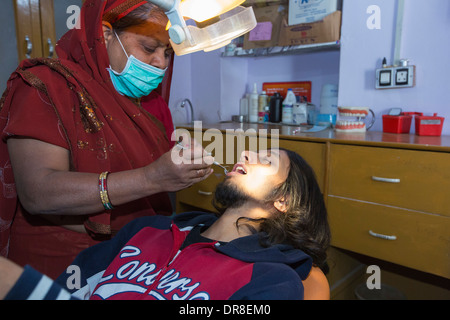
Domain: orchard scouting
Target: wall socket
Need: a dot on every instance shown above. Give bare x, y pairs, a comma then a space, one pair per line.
396, 77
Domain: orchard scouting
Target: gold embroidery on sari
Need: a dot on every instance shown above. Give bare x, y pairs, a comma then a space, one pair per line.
90, 121
101, 147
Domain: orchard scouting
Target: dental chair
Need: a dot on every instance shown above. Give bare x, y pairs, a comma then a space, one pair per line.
316, 286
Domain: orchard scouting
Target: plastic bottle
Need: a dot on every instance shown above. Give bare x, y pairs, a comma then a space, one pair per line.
267, 113
328, 102
300, 113
243, 108
253, 105
275, 108
262, 104
288, 105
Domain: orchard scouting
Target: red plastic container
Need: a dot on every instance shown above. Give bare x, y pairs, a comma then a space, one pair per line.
397, 124
429, 125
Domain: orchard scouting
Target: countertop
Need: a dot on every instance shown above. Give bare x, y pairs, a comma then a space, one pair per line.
374, 138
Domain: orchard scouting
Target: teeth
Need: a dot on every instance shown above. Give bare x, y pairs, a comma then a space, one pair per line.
347, 114
241, 170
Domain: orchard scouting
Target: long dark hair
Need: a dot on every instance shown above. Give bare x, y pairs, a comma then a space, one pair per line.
304, 225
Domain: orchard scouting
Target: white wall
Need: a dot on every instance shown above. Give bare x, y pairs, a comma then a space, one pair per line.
181, 88
320, 68
196, 77
218, 83
425, 42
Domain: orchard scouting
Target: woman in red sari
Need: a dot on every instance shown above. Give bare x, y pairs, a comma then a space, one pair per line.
79, 156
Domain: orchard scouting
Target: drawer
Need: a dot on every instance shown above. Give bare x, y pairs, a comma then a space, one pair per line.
413, 239
313, 153
200, 195
417, 180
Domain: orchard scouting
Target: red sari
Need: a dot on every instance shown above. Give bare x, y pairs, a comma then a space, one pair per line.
71, 102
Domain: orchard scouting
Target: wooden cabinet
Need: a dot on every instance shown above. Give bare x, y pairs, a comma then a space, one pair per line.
405, 237
409, 179
31, 29
386, 194
200, 195
391, 204
40, 24
313, 153
35, 28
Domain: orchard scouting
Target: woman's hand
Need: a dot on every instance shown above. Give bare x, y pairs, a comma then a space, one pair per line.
45, 185
186, 164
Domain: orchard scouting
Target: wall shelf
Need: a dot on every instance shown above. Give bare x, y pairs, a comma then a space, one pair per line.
288, 50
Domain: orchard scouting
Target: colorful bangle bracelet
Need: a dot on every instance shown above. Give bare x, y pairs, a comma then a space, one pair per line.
104, 191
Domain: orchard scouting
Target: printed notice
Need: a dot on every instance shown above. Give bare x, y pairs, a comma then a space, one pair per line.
262, 32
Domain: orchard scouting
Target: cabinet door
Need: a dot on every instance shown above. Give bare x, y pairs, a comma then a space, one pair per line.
410, 238
31, 28
40, 23
35, 28
411, 179
28, 29
48, 35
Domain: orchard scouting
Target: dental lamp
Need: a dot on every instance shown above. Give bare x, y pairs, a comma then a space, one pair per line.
217, 23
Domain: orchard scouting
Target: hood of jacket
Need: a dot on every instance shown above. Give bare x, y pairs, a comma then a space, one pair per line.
248, 248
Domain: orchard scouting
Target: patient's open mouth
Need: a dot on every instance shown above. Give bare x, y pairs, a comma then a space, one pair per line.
239, 168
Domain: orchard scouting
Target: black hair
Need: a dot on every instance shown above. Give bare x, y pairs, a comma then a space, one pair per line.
304, 225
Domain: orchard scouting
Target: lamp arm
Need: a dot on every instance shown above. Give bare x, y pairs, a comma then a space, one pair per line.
178, 31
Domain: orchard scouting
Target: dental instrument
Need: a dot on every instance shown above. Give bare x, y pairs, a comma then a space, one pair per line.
225, 170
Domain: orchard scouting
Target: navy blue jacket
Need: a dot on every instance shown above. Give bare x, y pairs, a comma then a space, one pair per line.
145, 261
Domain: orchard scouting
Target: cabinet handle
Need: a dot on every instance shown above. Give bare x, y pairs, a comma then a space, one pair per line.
204, 193
382, 236
29, 47
51, 48
388, 180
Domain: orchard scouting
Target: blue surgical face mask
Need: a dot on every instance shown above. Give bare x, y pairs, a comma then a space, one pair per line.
137, 79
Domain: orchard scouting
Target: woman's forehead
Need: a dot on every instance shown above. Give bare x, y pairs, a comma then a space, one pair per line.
150, 26
153, 29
